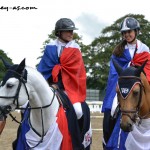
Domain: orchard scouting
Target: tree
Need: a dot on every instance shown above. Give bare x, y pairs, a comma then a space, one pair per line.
97, 54
2, 67
101, 49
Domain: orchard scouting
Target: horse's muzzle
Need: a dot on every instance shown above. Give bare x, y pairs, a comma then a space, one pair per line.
126, 126
4, 110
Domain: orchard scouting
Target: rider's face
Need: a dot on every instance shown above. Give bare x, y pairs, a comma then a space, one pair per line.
67, 35
129, 35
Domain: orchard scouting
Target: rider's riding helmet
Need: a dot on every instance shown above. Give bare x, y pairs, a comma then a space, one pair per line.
130, 23
64, 24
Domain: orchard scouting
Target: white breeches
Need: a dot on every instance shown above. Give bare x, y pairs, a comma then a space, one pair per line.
78, 109
114, 105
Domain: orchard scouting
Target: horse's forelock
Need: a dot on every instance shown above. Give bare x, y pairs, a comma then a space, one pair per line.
9, 74
13, 72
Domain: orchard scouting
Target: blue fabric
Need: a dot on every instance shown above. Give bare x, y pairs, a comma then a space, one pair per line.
48, 61
113, 78
113, 143
24, 128
123, 61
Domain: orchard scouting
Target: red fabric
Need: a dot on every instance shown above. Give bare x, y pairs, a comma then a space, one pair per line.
2, 125
63, 126
139, 59
73, 74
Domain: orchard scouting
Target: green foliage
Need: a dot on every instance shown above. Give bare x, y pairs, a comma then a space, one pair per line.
97, 55
52, 37
2, 67
101, 50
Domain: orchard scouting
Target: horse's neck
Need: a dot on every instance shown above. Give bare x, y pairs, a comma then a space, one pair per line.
41, 95
145, 108
45, 115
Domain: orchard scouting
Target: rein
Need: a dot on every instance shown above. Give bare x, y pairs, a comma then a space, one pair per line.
21, 80
4, 110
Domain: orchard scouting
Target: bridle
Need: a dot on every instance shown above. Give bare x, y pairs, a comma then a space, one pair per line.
136, 110
7, 109
4, 110
16, 96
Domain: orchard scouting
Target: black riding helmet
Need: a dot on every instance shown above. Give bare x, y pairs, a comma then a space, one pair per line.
129, 23
64, 24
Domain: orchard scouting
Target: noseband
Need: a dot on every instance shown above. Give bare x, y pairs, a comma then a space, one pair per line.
136, 110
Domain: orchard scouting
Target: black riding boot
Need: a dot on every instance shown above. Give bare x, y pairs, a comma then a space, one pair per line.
108, 126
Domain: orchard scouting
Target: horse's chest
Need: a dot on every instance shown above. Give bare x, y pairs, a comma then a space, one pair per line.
52, 139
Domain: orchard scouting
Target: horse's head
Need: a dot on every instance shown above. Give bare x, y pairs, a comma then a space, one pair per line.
12, 85
130, 95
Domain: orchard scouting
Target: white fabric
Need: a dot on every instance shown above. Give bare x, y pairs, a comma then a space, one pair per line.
114, 105
24, 106
139, 138
131, 48
78, 109
87, 137
59, 44
52, 140
141, 47
59, 47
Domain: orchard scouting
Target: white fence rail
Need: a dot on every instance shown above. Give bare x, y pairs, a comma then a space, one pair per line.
95, 106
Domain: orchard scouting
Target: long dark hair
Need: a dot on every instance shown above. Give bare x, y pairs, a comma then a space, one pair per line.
118, 50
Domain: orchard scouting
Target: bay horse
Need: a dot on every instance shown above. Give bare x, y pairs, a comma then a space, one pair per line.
44, 124
133, 91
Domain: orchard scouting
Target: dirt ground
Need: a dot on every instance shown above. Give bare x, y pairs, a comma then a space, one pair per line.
9, 133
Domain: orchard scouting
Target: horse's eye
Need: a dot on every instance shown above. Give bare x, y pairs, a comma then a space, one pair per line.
9, 85
135, 93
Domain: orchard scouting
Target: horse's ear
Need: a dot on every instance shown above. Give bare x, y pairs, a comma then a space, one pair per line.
6, 64
140, 69
21, 66
117, 67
